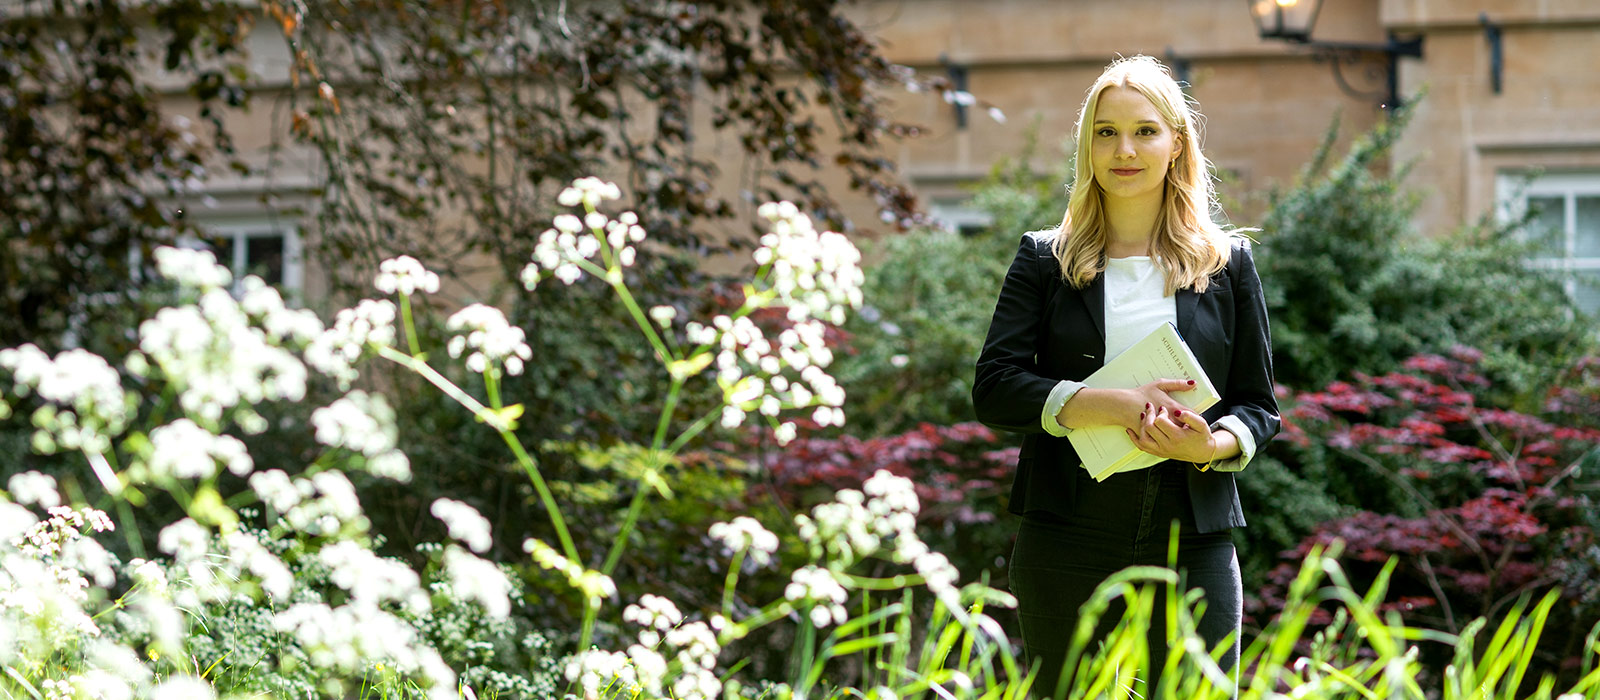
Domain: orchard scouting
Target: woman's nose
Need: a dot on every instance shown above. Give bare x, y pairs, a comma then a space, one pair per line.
1125, 147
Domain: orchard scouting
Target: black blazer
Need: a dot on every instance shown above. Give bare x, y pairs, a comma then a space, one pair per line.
1045, 331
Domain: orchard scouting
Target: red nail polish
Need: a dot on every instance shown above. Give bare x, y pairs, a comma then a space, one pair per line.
1147, 407
1191, 382
1141, 416
1178, 412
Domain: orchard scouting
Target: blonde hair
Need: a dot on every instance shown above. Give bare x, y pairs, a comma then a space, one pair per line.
1187, 243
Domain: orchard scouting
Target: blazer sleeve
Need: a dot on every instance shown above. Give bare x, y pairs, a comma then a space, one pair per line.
1250, 381
1007, 392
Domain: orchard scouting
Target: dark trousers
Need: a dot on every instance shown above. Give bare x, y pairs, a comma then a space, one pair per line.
1121, 522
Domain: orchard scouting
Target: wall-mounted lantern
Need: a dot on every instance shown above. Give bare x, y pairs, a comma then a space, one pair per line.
1292, 21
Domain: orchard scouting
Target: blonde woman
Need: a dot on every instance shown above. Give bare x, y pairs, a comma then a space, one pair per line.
1136, 249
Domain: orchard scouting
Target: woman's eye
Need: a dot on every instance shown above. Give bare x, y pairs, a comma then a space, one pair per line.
1148, 131
1105, 132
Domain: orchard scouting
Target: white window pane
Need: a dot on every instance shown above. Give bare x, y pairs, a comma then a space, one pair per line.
1587, 227
1586, 291
1547, 228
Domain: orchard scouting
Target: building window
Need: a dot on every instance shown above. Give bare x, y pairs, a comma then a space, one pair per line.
959, 216
266, 248
1564, 225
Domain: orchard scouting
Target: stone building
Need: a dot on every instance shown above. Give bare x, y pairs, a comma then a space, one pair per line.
1511, 116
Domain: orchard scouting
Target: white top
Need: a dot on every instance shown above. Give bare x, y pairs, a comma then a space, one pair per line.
1136, 303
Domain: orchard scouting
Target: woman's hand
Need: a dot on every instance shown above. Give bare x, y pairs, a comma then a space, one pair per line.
1121, 407
1148, 398
1175, 434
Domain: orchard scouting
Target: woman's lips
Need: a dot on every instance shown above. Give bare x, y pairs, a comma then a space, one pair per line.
1127, 171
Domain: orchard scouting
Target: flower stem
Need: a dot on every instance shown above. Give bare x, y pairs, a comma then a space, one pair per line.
666, 413
411, 329
621, 542
488, 416
730, 582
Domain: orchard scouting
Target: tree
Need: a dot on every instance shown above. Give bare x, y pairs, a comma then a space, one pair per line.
87, 152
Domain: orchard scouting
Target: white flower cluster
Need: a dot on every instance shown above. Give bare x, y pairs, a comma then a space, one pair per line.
492, 339
697, 651
696, 644
801, 348
246, 553
595, 670
34, 488
818, 275
561, 249
183, 450
746, 534
374, 580
64, 525
218, 360
594, 585
262, 302
184, 687
186, 540
334, 353
464, 523
478, 580
654, 613
351, 637
79, 381
192, 268
405, 275
43, 587
323, 504
212, 574
49, 600
857, 523
63, 689
588, 191
818, 587
364, 423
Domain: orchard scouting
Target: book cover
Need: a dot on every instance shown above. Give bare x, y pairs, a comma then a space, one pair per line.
1106, 449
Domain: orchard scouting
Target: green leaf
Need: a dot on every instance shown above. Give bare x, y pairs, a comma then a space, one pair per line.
207, 508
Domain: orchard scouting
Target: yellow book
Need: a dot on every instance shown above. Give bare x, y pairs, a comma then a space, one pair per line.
1106, 449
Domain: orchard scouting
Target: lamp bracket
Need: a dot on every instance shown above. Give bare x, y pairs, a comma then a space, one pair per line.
1383, 64
1491, 33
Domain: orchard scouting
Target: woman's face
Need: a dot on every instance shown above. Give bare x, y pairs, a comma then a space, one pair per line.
1132, 145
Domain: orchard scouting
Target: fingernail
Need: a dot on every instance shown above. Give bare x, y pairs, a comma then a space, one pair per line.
1147, 407
1191, 382
1178, 412
1141, 415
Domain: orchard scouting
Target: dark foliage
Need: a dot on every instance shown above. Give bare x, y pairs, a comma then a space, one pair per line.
87, 152
1482, 504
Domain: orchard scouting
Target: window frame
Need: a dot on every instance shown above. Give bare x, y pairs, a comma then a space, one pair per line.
1513, 190
239, 229
951, 213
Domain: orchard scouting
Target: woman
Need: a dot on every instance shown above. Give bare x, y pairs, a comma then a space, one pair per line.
1136, 249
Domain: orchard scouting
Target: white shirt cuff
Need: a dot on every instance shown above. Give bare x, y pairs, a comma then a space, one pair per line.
1247, 444
1065, 390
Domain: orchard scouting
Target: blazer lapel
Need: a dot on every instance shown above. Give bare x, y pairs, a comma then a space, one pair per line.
1094, 297
1187, 301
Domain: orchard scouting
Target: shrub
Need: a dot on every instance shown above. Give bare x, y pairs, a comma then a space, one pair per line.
1352, 287
908, 357
1481, 505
